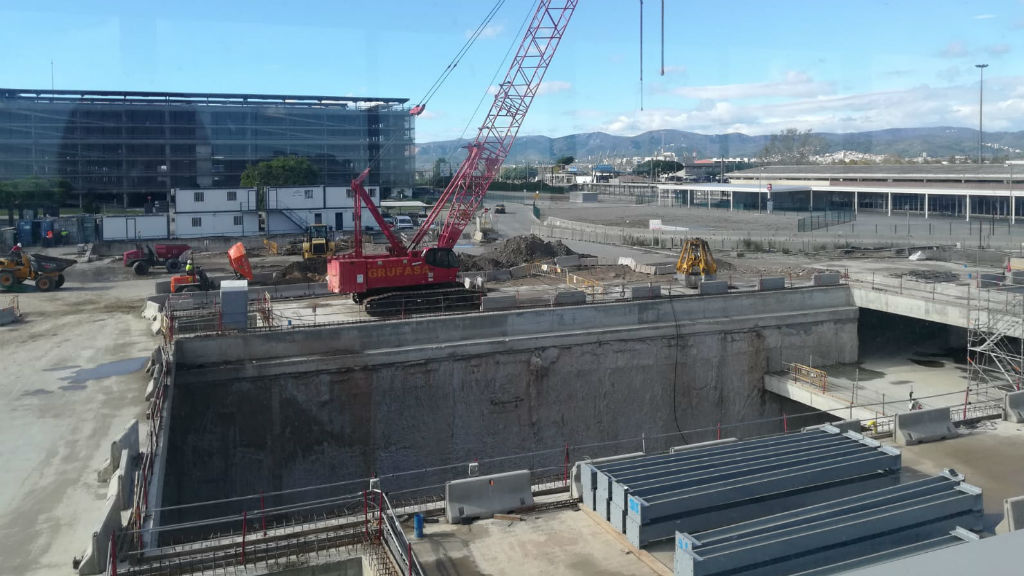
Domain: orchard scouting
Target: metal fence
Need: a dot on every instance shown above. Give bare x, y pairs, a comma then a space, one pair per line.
830, 218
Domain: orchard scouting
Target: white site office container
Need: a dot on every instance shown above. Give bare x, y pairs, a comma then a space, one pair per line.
140, 227
214, 200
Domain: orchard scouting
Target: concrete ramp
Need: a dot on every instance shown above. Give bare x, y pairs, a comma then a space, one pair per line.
484, 496
1013, 407
923, 426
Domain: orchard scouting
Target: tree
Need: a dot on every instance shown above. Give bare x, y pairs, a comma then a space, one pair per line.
281, 171
655, 167
518, 173
32, 192
565, 160
791, 146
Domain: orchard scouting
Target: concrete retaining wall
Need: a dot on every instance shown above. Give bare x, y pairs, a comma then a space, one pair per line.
923, 426
485, 496
273, 411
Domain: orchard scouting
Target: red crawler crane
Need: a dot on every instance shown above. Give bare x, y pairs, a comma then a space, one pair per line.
409, 278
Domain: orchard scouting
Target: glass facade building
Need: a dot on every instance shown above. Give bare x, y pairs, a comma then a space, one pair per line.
115, 145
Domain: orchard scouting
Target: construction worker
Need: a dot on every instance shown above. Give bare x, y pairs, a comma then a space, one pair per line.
190, 269
15, 253
914, 404
64, 235
49, 237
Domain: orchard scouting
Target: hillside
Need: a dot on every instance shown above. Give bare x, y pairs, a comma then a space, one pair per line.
939, 142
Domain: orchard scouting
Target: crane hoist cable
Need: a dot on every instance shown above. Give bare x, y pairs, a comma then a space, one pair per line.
419, 108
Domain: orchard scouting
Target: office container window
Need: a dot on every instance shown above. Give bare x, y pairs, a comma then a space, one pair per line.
197, 222
309, 194
232, 196
238, 220
199, 196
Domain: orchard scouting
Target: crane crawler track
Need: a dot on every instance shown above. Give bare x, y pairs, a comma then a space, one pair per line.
432, 301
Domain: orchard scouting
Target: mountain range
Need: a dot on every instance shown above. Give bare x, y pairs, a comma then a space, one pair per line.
594, 147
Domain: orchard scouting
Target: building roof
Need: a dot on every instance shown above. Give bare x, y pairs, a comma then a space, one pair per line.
955, 172
195, 98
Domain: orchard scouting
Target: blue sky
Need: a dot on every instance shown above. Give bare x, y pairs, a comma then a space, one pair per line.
746, 66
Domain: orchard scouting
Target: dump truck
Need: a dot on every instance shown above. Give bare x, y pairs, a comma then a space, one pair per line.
170, 256
198, 281
46, 271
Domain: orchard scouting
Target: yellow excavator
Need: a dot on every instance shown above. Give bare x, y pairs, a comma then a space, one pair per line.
316, 244
696, 263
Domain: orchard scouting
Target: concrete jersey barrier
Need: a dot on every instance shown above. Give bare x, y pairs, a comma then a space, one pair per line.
484, 496
1013, 407
923, 426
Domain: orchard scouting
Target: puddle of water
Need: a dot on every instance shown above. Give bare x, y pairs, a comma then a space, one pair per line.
928, 363
60, 368
37, 392
72, 387
901, 382
115, 368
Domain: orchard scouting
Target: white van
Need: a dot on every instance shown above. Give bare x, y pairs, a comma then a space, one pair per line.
403, 223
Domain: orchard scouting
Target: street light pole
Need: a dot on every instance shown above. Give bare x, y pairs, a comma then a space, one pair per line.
981, 88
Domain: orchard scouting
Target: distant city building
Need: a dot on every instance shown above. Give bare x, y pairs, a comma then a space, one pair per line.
125, 146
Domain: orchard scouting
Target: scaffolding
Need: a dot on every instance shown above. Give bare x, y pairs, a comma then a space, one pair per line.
995, 339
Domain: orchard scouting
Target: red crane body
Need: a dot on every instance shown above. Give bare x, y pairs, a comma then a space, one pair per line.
406, 267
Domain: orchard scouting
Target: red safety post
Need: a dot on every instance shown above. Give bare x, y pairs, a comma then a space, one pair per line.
565, 473
263, 515
113, 553
245, 516
409, 544
718, 435
785, 424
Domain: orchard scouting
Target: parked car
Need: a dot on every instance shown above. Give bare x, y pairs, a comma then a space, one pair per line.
499, 208
403, 223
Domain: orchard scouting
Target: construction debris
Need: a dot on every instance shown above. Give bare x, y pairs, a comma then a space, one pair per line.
515, 251
302, 271
930, 275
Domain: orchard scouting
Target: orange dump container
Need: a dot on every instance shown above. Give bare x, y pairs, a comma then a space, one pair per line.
239, 261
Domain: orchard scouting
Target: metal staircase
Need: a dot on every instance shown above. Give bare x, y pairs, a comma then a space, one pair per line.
995, 341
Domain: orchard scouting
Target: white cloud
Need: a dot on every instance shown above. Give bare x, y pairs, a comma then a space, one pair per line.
997, 49
795, 85
553, 87
984, 16
923, 105
489, 31
954, 50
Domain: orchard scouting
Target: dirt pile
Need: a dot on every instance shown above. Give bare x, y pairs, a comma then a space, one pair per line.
515, 251
303, 271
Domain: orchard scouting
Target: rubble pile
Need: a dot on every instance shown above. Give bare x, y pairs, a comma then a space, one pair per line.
513, 252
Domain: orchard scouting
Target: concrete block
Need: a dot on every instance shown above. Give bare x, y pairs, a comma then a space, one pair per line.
774, 283
644, 291
569, 298
94, 561
498, 302
1013, 407
1013, 515
500, 275
923, 426
826, 279
151, 389
709, 287
520, 271
484, 496
8, 316
162, 287
589, 261
1017, 277
992, 280
573, 260
627, 261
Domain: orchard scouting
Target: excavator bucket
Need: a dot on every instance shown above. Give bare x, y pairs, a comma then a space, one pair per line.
417, 110
239, 261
